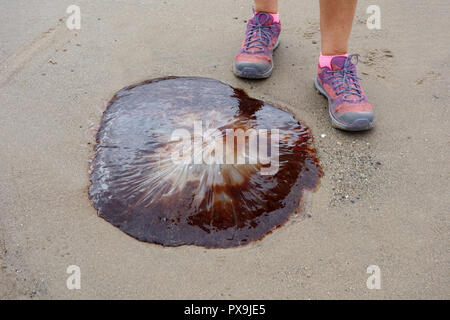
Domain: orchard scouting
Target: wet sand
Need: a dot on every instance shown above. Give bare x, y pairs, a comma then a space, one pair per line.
382, 201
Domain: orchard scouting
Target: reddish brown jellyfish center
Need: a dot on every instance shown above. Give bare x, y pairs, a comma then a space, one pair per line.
193, 161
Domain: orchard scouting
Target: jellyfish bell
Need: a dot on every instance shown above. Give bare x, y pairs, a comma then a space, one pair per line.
193, 161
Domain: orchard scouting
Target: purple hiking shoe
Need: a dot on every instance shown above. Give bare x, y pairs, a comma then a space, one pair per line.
254, 60
347, 104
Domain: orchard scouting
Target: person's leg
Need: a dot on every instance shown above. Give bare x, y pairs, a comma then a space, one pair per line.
336, 77
336, 19
269, 6
254, 59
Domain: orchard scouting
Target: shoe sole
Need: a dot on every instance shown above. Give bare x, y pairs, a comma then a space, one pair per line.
357, 125
249, 73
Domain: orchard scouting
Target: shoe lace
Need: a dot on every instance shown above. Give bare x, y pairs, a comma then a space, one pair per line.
346, 80
259, 35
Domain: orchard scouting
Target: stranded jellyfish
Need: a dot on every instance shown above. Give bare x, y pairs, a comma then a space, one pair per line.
193, 161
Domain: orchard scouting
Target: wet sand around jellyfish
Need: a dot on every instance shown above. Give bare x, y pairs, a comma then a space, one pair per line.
138, 187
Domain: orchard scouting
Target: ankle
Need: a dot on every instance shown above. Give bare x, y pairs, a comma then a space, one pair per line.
271, 7
325, 60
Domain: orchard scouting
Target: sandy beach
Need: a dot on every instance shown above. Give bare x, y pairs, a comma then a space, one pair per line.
383, 200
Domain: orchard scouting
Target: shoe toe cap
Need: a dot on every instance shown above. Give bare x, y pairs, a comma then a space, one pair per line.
252, 67
357, 120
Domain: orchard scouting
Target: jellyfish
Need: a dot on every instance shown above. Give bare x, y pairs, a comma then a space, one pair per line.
194, 161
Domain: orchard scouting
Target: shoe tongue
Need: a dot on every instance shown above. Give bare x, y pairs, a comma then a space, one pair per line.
263, 18
337, 63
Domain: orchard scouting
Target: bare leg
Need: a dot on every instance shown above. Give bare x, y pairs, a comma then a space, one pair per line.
270, 6
336, 19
